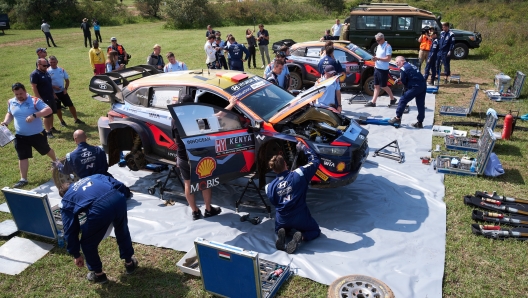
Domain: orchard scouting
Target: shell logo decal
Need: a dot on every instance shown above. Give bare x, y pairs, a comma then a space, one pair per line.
205, 167
340, 166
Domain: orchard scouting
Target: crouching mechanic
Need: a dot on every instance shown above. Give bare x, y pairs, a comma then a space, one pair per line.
288, 194
85, 160
103, 199
415, 86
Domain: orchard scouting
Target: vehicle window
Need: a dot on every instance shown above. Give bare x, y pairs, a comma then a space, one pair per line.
138, 97
202, 119
268, 101
405, 23
340, 56
374, 22
299, 52
313, 52
360, 52
429, 23
161, 97
212, 99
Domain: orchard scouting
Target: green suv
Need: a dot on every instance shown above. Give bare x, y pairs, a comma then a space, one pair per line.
402, 25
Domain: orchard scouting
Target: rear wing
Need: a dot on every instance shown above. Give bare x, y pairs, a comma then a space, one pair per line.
108, 87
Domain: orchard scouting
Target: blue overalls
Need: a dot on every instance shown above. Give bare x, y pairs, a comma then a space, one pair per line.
414, 82
287, 193
86, 160
235, 52
446, 44
431, 61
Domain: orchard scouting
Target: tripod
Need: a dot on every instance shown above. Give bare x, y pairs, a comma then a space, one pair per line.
359, 94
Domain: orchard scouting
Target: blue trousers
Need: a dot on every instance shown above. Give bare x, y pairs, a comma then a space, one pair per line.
417, 92
108, 209
445, 60
236, 65
301, 221
431, 67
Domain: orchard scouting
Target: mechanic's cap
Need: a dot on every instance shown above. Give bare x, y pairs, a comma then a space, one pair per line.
330, 69
41, 50
113, 39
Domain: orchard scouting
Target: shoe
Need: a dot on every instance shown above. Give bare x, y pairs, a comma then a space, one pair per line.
20, 183
392, 102
417, 125
50, 135
445, 81
291, 247
281, 240
370, 104
63, 108
100, 279
79, 121
262, 66
63, 123
132, 267
214, 211
196, 215
395, 121
53, 129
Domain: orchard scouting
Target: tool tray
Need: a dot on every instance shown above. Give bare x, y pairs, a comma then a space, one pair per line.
517, 87
461, 111
461, 143
491, 122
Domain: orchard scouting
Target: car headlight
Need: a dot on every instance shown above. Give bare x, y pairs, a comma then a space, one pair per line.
473, 38
330, 150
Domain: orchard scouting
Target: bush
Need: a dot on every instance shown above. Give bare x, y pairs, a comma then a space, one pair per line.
148, 8
185, 14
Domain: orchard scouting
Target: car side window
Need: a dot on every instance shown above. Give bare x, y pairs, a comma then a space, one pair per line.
374, 22
204, 119
313, 52
340, 56
163, 96
405, 23
138, 97
299, 52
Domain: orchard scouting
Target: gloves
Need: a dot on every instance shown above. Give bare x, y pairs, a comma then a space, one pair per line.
300, 147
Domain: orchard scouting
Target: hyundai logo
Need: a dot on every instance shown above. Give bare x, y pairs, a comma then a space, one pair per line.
362, 137
86, 154
235, 88
102, 86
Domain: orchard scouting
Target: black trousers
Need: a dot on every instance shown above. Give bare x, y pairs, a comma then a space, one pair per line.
48, 38
89, 38
252, 53
98, 35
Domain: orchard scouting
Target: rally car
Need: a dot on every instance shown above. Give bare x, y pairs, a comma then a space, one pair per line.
223, 145
304, 60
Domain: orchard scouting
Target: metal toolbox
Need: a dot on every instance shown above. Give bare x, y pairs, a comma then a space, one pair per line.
461, 143
230, 271
502, 82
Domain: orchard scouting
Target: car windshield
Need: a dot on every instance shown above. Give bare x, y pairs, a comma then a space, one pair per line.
360, 52
266, 102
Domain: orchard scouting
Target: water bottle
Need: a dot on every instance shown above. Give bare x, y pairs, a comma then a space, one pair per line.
501, 89
60, 239
473, 166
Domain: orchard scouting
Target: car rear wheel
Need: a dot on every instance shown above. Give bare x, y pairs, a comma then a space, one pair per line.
355, 286
460, 51
373, 48
368, 87
296, 81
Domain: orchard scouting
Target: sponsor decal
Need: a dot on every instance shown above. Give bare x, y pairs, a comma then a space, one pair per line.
87, 160
172, 154
340, 167
90, 166
141, 96
258, 85
343, 84
282, 185
282, 192
235, 87
86, 154
362, 137
224, 255
261, 137
321, 175
154, 115
328, 163
205, 167
198, 140
102, 86
205, 184
233, 144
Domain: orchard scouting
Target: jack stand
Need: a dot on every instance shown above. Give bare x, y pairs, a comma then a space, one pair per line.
361, 98
397, 155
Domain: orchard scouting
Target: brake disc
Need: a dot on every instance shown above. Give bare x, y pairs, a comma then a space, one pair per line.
135, 160
359, 286
60, 178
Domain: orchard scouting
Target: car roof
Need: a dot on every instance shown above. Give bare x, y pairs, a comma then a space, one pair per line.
316, 43
390, 9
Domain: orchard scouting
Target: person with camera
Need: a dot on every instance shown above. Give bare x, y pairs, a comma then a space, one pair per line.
252, 42
122, 55
425, 41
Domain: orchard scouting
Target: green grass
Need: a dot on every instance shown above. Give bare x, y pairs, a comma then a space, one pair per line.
474, 267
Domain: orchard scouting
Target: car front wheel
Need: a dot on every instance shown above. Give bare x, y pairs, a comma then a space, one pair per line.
460, 51
368, 87
295, 81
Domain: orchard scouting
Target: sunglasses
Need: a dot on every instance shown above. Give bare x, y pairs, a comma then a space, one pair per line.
45, 65
16, 86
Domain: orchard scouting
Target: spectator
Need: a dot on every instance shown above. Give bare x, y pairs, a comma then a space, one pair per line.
121, 52
381, 70
210, 52
425, 41
97, 30
58, 78
85, 26
77, 161
235, 52
41, 53
97, 58
173, 65
284, 76
27, 111
45, 27
332, 95
263, 42
42, 88
252, 43
326, 36
220, 53
209, 31
112, 62
446, 43
155, 59
336, 29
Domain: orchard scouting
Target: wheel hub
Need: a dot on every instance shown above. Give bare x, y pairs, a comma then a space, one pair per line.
359, 289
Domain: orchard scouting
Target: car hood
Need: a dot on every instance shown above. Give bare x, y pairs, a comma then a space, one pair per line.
392, 65
303, 99
462, 32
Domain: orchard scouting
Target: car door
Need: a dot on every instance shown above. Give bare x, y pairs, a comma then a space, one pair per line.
351, 66
405, 36
218, 145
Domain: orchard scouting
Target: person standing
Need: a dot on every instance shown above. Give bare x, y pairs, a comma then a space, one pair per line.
85, 26
287, 192
220, 56
155, 59
60, 81
96, 57
446, 43
236, 51
263, 42
415, 86
336, 29
431, 61
122, 56
27, 111
328, 59
210, 52
209, 31
381, 70
86, 160
174, 65
327, 36
252, 43
97, 30
45, 27
103, 199
43, 88
41, 53
425, 41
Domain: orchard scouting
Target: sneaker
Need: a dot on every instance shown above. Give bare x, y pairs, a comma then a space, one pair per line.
64, 108
63, 123
50, 135
262, 66
132, 267
395, 121
417, 125
20, 183
214, 211
281, 240
291, 247
370, 104
100, 279
392, 102
53, 129
197, 215
79, 121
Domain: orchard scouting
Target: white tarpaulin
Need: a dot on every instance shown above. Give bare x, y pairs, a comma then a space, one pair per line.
18, 253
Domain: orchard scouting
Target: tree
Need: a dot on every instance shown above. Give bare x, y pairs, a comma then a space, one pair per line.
148, 7
184, 14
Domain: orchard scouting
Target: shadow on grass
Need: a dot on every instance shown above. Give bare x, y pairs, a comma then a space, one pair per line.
513, 176
507, 149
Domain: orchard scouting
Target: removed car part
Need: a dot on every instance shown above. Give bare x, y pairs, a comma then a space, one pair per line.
359, 286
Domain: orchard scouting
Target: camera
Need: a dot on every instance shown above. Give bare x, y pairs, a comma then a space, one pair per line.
425, 30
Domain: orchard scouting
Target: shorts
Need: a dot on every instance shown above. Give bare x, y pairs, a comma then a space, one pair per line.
23, 145
64, 99
381, 76
53, 105
184, 167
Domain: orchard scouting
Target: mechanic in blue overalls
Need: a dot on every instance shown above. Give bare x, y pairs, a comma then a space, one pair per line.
85, 160
103, 199
415, 86
328, 59
445, 48
287, 193
235, 53
431, 60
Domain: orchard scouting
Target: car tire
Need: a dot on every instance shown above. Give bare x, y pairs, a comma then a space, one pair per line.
460, 51
368, 87
359, 286
373, 48
296, 81
60, 178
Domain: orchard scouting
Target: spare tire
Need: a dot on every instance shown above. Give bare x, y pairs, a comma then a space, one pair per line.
358, 286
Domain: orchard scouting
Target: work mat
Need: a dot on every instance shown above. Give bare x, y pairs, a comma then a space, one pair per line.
18, 253
389, 224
